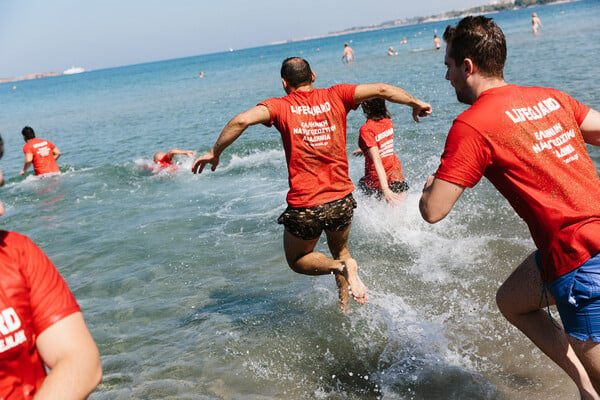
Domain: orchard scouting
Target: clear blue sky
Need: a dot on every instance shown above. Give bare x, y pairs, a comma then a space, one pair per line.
53, 35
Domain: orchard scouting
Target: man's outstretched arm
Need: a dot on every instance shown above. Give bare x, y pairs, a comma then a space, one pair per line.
393, 94
173, 152
231, 131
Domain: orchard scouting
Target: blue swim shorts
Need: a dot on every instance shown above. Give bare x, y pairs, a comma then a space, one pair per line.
577, 296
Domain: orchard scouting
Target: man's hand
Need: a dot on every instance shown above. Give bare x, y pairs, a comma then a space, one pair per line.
393, 199
200, 163
421, 109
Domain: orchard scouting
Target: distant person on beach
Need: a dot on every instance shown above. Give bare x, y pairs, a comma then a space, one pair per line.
437, 42
391, 51
348, 56
312, 123
165, 160
39, 152
383, 171
41, 327
403, 41
535, 23
530, 143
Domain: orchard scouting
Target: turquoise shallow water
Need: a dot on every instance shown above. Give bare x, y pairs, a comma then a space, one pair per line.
182, 278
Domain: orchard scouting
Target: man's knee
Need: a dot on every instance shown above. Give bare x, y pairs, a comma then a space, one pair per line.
502, 298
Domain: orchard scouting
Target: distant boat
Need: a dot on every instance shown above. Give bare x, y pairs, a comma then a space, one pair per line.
73, 70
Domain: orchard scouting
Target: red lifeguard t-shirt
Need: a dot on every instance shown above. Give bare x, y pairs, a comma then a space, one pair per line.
313, 130
527, 142
167, 162
33, 296
43, 159
380, 134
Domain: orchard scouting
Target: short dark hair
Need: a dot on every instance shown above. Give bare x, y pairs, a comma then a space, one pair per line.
375, 109
28, 133
1, 147
481, 40
296, 71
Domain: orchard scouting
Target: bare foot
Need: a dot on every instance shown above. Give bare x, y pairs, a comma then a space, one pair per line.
358, 289
342, 284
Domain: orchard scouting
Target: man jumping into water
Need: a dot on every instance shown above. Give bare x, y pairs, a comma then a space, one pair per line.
530, 142
312, 123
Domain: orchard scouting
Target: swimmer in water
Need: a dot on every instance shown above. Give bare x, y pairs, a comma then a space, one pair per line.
535, 23
165, 160
437, 42
348, 56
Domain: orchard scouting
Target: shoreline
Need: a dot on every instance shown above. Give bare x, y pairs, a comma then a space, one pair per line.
445, 16
31, 76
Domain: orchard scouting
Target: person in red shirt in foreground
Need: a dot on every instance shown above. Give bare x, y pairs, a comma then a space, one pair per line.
39, 152
530, 142
312, 123
41, 326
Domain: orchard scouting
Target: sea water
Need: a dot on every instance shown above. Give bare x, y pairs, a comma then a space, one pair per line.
182, 278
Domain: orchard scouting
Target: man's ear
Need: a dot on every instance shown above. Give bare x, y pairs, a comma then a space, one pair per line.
286, 85
468, 67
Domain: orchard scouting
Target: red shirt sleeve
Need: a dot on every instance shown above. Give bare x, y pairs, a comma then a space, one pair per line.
579, 110
346, 93
50, 297
367, 136
466, 156
271, 105
27, 149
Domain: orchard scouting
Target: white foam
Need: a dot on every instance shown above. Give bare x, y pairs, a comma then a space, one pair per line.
255, 159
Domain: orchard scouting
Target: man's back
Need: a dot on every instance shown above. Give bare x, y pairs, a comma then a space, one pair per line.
313, 130
43, 156
527, 142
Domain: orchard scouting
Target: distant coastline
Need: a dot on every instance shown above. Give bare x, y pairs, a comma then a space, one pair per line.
72, 70
492, 7
483, 9
31, 76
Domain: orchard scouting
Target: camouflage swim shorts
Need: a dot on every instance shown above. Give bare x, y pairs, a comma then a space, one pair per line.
396, 187
308, 223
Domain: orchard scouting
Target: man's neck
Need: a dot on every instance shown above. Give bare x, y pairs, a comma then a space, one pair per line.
303, 88
484, 83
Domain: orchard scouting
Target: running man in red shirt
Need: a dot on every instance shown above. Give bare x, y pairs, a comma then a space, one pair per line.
312, 123
39, 152
529, 142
